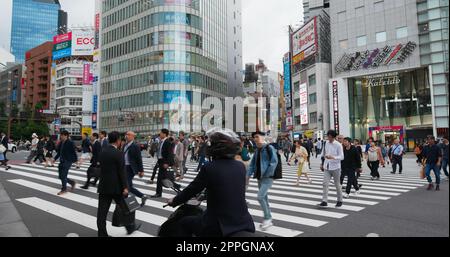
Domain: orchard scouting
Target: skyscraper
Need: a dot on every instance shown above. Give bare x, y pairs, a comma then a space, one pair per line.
152, 50
312, 8
33, 23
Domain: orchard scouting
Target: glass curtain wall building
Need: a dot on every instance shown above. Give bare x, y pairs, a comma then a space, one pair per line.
33, 23
152, 51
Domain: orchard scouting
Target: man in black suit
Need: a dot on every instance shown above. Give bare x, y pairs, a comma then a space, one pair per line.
67, 154
95, 162
4, 142
165, 159
103, 139
113, 184
133, 164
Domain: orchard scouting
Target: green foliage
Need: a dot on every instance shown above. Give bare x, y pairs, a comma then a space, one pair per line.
24, 129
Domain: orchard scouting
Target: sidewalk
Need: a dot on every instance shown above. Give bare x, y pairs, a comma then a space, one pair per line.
11, 224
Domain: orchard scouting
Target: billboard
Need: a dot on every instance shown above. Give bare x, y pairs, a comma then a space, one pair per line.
170, 95
83, 42
62, 46
62, 38
304, 41
287, 78
304, 104
336, 106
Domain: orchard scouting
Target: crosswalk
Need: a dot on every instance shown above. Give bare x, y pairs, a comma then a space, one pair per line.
293, 207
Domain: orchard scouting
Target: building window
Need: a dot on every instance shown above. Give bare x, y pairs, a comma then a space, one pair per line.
313, 117
361, 41
359, 11
342, 16
402, 32
297, 103
296, 86
297, 120
378, 6
312, 80
343, 44
381, 37
313, 98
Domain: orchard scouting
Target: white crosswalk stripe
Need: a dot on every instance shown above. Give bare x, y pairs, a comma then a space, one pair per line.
293, 207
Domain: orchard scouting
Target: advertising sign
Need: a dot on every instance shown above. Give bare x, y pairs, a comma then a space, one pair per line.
170, 95
61, 46
304, 41
86, 130
177, 77
87, 75
375, 58
304, 119
95, 103
94, 120
62, 38
336, 106
83, 42
303, 93
287, 79
61, 54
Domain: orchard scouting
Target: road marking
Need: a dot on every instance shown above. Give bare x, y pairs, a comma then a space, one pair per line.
74, 216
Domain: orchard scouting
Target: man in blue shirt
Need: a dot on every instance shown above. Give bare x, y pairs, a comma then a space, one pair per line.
433, 157
397, 157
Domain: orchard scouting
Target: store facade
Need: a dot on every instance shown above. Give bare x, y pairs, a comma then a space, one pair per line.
380, 86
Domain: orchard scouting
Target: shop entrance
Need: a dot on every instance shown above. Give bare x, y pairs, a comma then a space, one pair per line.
387, 134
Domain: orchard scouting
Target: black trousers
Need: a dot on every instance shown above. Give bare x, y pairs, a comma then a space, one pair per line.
89, 176
163, 174
374, 169
155, 169
193, 225
396, 159
352, 180
104, 202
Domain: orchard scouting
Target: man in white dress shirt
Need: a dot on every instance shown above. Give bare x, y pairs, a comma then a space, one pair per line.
333, 154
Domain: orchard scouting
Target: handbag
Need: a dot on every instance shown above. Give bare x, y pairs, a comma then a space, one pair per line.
422, 172
94, 171
121, 218
2, 149
131, 205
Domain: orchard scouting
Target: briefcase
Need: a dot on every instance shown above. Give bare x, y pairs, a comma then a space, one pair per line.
121, 218
94, 171
131, 204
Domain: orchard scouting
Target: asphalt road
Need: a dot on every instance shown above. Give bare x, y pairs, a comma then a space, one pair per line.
396, 206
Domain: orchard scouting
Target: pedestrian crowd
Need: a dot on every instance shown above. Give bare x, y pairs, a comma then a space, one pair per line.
227, 163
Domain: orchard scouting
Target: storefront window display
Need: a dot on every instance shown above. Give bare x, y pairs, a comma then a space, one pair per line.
391, 105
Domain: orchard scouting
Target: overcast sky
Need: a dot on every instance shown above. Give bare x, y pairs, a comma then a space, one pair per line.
264, 24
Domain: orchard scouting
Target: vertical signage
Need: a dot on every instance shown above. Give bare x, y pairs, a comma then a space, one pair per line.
304, 119
336, 106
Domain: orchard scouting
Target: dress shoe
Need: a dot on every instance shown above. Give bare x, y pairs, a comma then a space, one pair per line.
72, 186
143, 199
156, 196
135, 228
86, 187
62, 192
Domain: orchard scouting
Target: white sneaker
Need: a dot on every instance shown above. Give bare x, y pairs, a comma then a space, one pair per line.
346, 195
266, 224
357, 192
34, 164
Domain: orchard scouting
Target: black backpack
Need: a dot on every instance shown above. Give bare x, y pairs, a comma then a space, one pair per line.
278, 174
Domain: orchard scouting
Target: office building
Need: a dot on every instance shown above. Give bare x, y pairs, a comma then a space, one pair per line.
33, 23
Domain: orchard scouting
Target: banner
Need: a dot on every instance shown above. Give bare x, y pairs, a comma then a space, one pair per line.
83, 42
304, 41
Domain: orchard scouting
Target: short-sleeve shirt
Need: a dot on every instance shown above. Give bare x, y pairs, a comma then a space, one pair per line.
432, 153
